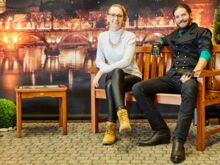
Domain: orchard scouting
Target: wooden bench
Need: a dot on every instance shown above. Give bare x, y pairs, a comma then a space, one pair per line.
208, 89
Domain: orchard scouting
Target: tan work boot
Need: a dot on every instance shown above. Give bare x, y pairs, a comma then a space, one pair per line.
109, 137
124, 121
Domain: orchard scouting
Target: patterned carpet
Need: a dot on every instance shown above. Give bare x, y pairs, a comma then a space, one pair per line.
43, 143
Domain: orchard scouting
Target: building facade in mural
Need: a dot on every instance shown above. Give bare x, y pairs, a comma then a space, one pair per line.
54, 41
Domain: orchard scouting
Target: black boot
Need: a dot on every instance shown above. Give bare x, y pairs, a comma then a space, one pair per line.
159, 137
178, 151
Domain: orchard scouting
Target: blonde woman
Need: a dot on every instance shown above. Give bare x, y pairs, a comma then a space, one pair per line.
116, 58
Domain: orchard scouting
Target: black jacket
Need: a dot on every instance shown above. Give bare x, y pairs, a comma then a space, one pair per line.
187, 48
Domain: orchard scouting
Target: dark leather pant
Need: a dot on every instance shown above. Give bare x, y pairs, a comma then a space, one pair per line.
117, 83
145, 90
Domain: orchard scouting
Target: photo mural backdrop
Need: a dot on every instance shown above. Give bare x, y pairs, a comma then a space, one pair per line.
54, 42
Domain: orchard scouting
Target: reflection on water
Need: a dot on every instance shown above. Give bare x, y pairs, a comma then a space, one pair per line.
32, 58
73, 58
30, 65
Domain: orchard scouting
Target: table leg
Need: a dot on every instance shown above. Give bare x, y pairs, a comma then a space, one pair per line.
60, 113
18, 115
64, 114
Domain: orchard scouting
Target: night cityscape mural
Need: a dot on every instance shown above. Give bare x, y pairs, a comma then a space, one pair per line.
54, 42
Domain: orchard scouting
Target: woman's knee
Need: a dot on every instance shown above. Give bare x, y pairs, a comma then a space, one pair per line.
108, 85
117, 72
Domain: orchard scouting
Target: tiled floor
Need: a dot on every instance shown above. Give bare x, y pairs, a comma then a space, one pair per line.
43, 143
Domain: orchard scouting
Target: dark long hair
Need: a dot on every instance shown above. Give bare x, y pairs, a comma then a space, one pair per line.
182, 5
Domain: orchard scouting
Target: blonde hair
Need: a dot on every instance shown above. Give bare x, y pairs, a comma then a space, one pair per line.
122, 9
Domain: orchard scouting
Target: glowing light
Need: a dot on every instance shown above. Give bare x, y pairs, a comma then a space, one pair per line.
5, 39
14, 39
90, 38
2, 6
10, 40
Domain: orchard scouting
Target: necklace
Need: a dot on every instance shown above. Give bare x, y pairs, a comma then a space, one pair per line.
114, 45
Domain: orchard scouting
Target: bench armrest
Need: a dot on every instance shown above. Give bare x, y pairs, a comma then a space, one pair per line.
93, 70
208, 73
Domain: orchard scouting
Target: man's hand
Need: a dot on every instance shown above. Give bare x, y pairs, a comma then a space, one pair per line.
197, 73
156, 47
186, 76
189, 74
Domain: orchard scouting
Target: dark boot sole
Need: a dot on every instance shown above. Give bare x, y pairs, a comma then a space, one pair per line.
154, 144
176, 159
108, 143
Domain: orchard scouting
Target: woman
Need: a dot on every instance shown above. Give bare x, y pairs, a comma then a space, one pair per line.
116, 58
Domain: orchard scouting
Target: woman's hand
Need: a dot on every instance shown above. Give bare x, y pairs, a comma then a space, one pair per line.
96, 79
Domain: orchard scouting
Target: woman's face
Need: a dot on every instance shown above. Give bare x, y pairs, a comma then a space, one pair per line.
115, 18
182, 17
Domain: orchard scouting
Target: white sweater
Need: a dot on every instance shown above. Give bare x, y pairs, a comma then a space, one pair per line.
123, 56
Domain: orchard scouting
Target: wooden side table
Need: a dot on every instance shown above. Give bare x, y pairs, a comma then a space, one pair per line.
55, 91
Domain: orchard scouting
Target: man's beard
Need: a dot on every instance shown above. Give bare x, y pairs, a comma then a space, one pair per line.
188, 23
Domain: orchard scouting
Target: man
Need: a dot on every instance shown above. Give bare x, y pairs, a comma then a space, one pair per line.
190, 46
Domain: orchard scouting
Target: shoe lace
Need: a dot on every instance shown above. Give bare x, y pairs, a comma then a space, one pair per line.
124, 116
110, 130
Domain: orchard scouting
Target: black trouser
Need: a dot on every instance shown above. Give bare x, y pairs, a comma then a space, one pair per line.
144, 91
117, 83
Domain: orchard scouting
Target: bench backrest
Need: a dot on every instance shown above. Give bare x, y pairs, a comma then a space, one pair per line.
214, 64
140, 57
158, 66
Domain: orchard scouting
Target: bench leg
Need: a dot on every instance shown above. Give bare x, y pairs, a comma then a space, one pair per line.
94, 118
94, 108
94, 113
200, 143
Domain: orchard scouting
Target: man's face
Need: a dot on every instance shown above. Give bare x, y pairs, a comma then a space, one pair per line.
182, 17
115, 18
